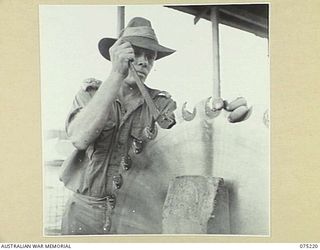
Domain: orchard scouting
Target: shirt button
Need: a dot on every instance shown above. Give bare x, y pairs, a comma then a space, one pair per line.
137, 146
107, 225
151, 132
117, 181
126, 162
111, 199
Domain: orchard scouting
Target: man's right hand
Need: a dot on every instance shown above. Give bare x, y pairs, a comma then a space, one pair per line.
121, 53
87, 125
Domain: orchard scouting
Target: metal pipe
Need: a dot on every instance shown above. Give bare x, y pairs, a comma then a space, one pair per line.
214, 16
121, 19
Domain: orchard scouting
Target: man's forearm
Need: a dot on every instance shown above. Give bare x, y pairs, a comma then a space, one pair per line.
89, 122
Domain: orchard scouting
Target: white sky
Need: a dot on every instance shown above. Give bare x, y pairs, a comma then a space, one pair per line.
69, 35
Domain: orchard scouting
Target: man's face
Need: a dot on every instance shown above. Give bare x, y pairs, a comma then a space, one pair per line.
143, 63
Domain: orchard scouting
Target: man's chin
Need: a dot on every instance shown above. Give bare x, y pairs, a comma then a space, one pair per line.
132, 82
142, 78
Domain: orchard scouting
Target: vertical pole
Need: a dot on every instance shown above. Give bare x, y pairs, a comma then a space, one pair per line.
214, 16
216, 95
120, 23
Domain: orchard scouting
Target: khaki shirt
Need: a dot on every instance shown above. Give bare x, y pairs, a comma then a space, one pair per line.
98, 171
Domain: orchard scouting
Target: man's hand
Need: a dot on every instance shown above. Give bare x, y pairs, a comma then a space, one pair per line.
239, 110
121, 53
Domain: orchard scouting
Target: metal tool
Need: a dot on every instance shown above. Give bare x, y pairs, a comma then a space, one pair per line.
187, 115
144, 92
150, 131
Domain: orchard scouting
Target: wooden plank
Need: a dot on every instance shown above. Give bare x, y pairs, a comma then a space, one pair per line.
237, 16
246, 16
191, 204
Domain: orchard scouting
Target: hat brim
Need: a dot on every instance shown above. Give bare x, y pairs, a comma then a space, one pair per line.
142, 42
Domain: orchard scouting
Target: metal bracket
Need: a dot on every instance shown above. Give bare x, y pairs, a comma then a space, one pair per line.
214, 109
187, 115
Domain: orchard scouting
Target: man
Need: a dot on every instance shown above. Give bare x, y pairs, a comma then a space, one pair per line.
109, 122
101, 123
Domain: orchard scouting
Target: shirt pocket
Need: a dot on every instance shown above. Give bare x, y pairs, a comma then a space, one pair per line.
102, 145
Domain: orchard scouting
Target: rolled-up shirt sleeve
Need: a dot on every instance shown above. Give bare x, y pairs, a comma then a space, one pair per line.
81, 99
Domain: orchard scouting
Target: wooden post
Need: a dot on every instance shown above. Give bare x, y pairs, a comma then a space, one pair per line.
121, 19
196, 205
214, 16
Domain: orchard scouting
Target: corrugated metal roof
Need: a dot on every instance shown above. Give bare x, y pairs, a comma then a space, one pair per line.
253, 18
